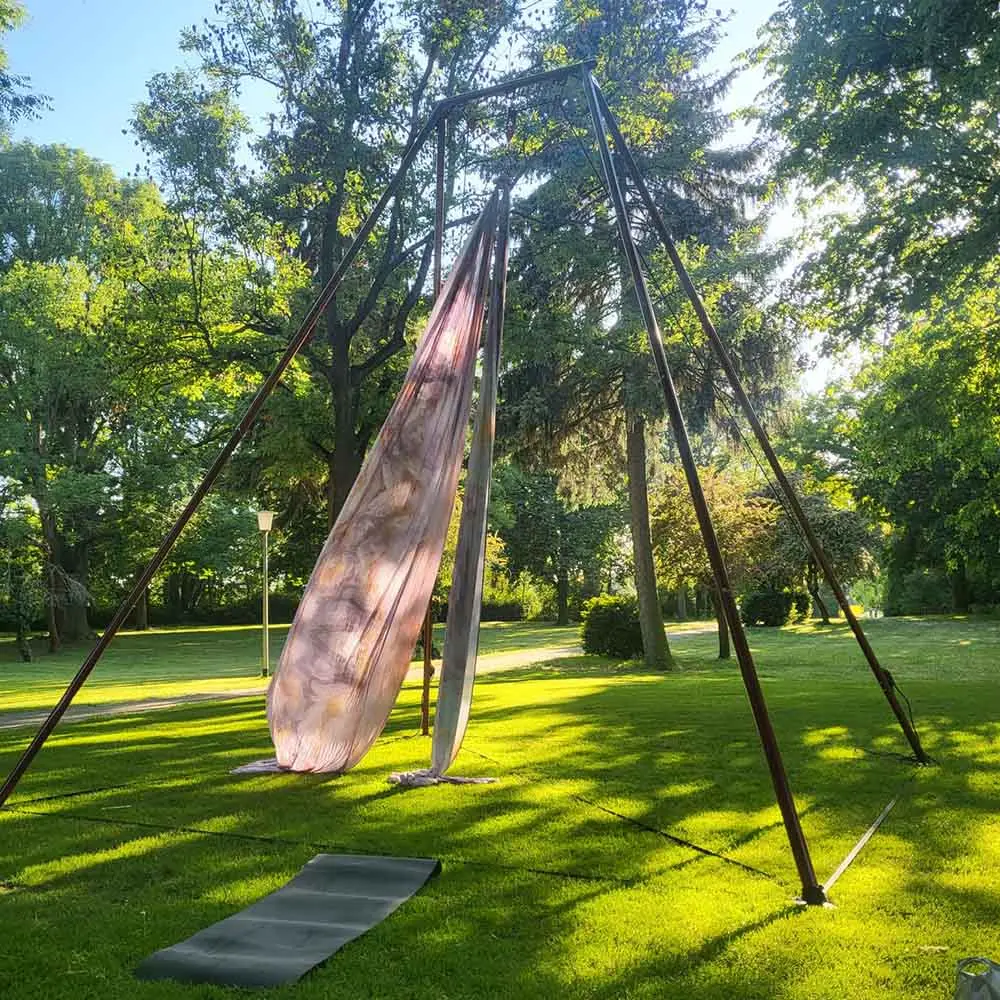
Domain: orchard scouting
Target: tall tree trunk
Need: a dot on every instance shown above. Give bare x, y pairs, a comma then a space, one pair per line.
23, 642
188, 581
656, 651
140, 613
51, 598
723, 626
343, 468
961, 595
74, 621
812, 585
22, 615
70, 580
682, 603
344, 463
562, 596
173, 596
52, 620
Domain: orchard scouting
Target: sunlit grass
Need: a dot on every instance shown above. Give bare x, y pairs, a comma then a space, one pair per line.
544, 892
175, 662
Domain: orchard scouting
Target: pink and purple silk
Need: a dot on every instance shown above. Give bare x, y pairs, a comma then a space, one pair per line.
349, 647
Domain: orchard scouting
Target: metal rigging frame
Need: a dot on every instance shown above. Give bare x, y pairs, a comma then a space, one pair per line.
602, 119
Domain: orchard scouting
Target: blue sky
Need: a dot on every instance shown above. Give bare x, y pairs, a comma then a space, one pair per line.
93, 58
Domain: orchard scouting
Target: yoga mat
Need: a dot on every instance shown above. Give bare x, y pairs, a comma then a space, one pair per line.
333, 900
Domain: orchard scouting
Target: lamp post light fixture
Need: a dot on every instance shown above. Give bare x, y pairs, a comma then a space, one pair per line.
265, 518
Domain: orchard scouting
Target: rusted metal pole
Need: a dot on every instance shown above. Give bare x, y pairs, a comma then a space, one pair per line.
812, 891
302, 335
883, 677
439, 216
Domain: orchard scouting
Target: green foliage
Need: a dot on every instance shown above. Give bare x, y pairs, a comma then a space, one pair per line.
744, 522
846, 534
927, 447
107, 374
922, 591
611, 627
570, 548
351, 84
580, 371
889, 110
16, 99
23, 567
801, 605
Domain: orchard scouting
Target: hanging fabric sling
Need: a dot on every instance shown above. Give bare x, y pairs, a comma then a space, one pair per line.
349, 646
461, 644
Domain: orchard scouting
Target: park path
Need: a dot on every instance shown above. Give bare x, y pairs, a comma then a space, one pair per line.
488, 664
491, 663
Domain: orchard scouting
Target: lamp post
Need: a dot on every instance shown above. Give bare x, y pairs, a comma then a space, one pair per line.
265, 518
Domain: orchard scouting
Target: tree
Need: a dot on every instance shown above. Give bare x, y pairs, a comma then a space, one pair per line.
744, 521
888, 110
22, 570
351, 83
60, 403
582, 383
927, 447
103, 402
847, 536
568, 547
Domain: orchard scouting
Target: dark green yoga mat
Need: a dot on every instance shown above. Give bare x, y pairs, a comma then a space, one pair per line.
334, 899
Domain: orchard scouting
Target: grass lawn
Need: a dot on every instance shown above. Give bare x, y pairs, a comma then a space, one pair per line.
129, 834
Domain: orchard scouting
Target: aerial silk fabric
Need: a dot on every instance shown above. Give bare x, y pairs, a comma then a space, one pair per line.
461, 644
350, 644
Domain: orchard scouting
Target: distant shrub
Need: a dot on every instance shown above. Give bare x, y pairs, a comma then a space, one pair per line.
246, 611
611, 627
990, 610
767, 607
490, 611
506, 600
507, 611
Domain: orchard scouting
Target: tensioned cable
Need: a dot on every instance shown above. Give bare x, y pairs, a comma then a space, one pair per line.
867, 835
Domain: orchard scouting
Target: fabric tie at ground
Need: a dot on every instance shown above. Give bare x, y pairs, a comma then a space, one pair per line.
269, 765
422, 779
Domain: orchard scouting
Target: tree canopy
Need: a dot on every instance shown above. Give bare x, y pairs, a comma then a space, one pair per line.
887, 112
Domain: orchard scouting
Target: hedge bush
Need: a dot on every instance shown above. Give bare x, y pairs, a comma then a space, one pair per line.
774, 608
611, 627
282, 609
